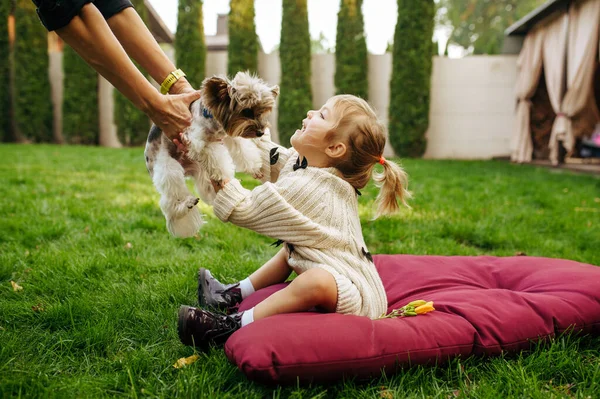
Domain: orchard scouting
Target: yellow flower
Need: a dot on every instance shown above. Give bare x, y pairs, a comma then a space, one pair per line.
428, 307
417, 303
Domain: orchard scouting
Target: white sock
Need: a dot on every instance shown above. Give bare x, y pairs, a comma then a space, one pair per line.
247, 317
246, 287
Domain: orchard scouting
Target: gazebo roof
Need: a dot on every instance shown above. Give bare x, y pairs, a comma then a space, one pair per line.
525, 24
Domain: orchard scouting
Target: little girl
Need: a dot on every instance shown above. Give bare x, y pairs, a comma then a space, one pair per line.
312, 207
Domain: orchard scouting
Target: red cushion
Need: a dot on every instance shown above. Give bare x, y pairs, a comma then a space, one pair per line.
484, 305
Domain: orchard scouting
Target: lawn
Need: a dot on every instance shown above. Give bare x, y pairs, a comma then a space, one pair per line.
102, 280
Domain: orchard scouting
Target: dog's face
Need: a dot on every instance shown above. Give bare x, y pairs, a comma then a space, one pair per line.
242, 106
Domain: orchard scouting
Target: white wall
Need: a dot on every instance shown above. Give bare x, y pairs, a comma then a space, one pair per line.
472, 107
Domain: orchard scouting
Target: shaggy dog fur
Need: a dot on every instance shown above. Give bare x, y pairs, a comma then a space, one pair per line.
226, 116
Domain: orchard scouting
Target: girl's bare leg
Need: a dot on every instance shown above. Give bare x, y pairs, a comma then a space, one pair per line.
314, 287
275, 271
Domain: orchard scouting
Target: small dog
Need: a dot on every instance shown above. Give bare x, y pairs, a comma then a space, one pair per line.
224, 119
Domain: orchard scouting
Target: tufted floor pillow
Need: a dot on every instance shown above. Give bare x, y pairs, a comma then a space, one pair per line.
484, 305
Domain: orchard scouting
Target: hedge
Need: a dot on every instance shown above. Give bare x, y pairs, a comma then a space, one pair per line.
5, 9
33, 105
80, 100
190, 49
242, 52
132, 124
296, 97
351, 64
411, 77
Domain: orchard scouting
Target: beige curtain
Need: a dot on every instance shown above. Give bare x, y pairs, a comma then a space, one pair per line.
529, 66
553, 54
584, 22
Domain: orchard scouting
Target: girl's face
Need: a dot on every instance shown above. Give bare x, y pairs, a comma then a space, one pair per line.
311, 141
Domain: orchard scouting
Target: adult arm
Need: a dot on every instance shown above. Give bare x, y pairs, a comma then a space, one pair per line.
139, 43
90, 36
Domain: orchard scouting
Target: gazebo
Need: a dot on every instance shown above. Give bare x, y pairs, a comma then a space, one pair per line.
558, 84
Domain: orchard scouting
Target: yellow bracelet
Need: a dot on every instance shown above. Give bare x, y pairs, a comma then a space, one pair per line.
170, 80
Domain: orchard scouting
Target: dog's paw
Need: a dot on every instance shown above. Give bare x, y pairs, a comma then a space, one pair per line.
190, 202
185, 140
258, 175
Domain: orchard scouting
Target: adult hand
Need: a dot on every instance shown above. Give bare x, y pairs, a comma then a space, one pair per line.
172, 113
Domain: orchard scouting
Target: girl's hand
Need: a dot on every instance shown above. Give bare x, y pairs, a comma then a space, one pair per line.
218, 185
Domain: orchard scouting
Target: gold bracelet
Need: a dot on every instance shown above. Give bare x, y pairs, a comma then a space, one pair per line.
170, 80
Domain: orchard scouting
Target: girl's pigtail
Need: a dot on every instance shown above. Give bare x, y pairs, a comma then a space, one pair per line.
392, 185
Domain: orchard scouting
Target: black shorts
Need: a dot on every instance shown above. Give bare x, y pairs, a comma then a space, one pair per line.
56, 14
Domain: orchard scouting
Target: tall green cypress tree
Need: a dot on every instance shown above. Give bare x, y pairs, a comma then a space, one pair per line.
80, 100
33, 104
351, 64
132, 124
411, 77
5, 8
294, 53
190, 48
242, 52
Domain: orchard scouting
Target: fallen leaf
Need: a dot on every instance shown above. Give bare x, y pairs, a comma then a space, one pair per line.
185, 361
520, 254
38, 308
16, 287
87, 229
128, 245
385, 393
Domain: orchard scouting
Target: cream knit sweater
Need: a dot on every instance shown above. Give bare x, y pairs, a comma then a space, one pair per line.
315, 211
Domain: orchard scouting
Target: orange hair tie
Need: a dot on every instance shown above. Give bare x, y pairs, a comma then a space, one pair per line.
381, 160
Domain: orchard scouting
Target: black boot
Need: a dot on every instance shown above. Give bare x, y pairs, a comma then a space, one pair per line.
201, 328
212, 293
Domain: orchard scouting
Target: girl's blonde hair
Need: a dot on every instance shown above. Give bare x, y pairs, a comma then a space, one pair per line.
359, 128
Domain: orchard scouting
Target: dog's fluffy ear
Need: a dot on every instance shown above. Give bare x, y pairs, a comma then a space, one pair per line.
275, 91
215, 91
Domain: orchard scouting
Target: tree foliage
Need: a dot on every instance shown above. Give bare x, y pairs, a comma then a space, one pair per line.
80, 100
190, 48
32, 99
296, 97
5, 10
132, 124
479, 26
242, 52
411, 76
351, 63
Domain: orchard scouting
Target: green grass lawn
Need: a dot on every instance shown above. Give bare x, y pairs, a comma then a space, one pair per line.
102, 280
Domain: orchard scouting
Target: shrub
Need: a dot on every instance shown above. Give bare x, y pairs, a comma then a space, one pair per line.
33, 104
351, 64
190, 49
132, 124
411, 77
242, 52
5, 9
294, 53
80, 100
